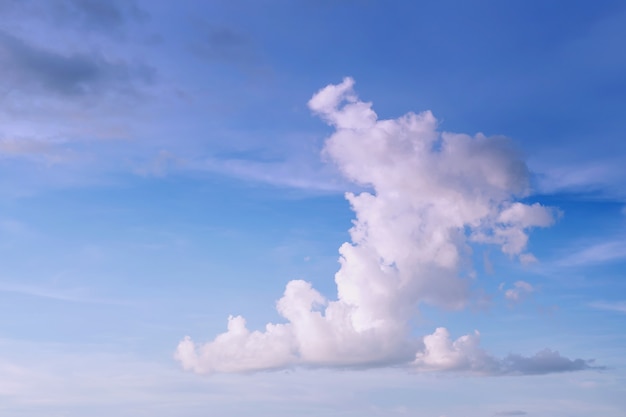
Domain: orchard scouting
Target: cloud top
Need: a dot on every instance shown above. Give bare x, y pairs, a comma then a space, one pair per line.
431, 195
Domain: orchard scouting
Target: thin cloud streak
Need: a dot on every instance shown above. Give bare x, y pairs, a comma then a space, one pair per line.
618, 306
74, 295
600, 253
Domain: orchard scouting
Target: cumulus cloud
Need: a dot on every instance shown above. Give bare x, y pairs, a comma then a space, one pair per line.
441, 353
431, 196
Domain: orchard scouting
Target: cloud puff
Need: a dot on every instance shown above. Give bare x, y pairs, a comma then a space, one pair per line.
520, 290
431, 196
440, 353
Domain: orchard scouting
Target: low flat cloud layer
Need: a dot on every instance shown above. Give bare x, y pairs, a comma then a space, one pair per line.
432, 195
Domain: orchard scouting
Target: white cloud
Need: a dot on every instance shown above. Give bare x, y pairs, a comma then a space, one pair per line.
432, 194
440, 353
520, 290
239, 349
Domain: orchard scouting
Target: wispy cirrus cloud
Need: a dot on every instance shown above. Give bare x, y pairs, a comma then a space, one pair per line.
77, 295
615, 306
600, 176
597, 253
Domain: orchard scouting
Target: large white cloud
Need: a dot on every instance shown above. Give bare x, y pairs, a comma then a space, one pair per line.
432, 194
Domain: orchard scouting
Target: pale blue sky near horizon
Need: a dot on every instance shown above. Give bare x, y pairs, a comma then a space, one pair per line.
160, 170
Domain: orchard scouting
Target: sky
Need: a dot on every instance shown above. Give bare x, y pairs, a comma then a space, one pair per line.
313, 207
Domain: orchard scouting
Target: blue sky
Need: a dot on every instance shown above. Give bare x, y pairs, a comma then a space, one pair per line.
171, 169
